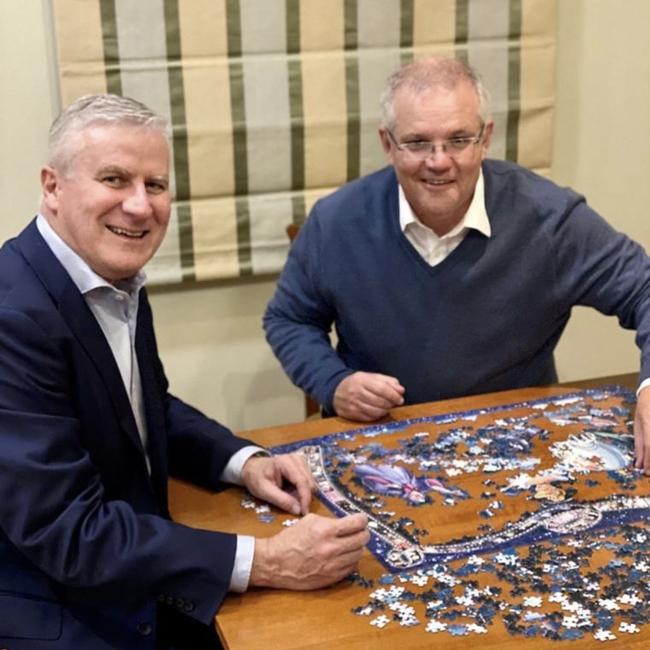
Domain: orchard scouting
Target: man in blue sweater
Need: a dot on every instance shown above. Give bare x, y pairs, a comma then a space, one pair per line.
447, 274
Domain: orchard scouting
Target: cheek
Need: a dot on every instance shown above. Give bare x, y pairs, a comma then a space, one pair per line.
162, 211
407, 173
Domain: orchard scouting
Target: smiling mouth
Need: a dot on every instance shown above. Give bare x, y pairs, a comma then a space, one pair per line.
129, 234
436, 182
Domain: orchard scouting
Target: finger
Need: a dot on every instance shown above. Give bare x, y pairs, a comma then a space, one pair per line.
356, 410
297, 478
381, 394
365, 414
351, 524
388, 386
377, 399
372, 403
393, 384
354, 543
345, 564
282, 499
638, 451
303, 494
368, 412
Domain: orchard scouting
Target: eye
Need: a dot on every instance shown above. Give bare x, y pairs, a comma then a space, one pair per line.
417, 145
113, 180
157, 187
460, 143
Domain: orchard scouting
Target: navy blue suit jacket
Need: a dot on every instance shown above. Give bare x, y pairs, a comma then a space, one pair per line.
87, 549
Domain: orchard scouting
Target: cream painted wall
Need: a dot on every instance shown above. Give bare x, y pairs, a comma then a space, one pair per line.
210, 338
601, 149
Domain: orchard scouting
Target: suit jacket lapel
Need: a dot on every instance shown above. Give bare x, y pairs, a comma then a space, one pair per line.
80, 319
154, 391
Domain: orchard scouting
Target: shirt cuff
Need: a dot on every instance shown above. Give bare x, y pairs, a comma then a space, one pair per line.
232, 471
241, 571
644, 384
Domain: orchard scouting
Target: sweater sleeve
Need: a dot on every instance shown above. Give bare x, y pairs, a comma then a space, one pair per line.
299, 318
599, 267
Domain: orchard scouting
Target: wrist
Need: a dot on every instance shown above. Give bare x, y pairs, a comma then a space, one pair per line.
263, 567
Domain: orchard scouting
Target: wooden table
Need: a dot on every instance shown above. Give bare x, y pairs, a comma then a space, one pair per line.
268, 619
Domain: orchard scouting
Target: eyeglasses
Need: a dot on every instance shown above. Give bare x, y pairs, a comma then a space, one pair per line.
453, 147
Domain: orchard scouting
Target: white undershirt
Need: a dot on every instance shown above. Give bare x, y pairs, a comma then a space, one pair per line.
116, 311
431, 247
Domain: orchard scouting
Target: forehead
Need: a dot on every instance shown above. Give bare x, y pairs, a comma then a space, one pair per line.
437, 110
138, 148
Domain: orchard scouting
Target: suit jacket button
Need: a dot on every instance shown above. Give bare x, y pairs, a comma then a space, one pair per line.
144, 629
188, 607
180, 602
169, 600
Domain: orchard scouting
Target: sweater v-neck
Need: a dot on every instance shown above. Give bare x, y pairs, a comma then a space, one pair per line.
462, 251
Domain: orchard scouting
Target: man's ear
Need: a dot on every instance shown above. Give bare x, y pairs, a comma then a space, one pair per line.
487, 138
50, 187
385, 141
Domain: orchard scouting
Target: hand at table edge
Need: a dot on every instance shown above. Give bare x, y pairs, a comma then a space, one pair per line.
316, 552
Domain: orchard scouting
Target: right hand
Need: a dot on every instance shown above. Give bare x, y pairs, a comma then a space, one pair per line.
367, 396
316, 552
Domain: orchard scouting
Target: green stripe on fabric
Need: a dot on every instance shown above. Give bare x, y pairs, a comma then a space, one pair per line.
462, 29
352, 90
293, 26
233, 20
406, 31
111, 47
296, 114
244, 245
298, 208
514, 81
351, 19
238, 108
240, 144
179, 134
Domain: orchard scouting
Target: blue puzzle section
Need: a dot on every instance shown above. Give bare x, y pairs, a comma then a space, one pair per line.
357, 471
561, 566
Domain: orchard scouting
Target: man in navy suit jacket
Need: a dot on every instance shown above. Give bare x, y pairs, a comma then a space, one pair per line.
89, 558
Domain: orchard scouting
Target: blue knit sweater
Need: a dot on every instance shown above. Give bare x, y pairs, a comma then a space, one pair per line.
487, 318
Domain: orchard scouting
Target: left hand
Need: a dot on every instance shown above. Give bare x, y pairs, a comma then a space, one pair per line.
267, 477
642, 431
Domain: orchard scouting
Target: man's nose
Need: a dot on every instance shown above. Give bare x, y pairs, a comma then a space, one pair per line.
438, 157
138, 202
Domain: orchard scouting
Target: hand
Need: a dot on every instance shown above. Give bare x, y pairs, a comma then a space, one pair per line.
314, 553
284, 481
642, 431
367, 396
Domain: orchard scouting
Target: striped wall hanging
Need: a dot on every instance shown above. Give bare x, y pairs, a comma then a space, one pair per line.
274, 103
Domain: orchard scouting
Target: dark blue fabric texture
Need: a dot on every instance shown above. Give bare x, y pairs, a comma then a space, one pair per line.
86, 544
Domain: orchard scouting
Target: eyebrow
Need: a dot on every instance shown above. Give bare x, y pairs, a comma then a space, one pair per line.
116, 169
457, 133
113, 169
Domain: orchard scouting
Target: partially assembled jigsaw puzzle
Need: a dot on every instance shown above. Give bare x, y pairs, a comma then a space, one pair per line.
552, 519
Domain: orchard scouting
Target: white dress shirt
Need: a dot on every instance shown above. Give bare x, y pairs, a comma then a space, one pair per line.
435, 249
115, 308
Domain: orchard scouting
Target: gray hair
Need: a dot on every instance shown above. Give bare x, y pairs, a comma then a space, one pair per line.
431, 72
89, 110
